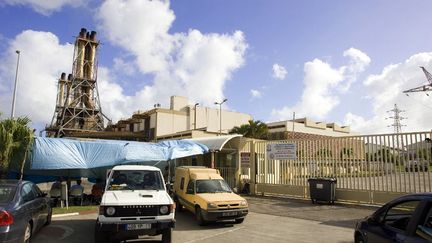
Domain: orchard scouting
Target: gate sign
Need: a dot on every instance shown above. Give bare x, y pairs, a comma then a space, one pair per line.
281, 151
245, 160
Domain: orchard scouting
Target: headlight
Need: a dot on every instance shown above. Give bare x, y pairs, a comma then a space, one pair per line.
110, 211
243, 203
211, 205
164, 209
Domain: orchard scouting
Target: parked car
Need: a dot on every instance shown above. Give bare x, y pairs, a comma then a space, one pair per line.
204, 192
135, 203
24, 209
405, 219
415, 165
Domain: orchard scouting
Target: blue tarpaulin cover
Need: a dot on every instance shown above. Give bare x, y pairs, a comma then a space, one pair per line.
58, 153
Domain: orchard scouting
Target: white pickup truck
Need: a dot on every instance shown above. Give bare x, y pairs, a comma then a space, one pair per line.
135, 203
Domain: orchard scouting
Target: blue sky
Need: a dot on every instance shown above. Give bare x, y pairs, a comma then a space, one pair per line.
335, 61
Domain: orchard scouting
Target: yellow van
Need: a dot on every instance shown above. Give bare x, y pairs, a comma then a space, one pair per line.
205, 193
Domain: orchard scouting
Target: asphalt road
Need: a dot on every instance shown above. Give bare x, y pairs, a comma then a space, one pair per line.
270, 220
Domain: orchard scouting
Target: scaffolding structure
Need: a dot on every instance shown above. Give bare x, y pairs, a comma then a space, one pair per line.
78, 107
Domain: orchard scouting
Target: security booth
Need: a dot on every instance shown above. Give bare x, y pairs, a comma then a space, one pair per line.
224, 154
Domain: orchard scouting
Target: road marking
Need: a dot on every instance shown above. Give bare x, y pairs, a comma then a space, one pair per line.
214, 235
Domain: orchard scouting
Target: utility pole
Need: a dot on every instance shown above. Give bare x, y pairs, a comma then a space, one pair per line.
293, 122
15, 87
195, 113
220, 114
397, 118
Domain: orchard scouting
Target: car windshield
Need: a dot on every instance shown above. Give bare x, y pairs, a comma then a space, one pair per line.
135, 180
212, 186
7, 193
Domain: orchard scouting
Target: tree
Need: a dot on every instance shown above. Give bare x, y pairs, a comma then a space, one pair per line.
254, 129
16, 139
383, 154
324, 153
346, 153
423, 153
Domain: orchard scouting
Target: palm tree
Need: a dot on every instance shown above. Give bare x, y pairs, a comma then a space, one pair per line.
16, 139
254, 129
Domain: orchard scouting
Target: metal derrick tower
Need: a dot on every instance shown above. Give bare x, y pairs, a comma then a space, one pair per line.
78, 106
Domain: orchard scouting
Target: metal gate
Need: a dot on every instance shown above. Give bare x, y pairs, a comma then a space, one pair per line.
369, 169
228, 173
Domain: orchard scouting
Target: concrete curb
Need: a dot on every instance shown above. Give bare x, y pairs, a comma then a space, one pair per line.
64, 215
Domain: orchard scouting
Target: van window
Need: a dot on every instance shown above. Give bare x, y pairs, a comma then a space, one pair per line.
182, 183
135, 180
191, 187
212, 186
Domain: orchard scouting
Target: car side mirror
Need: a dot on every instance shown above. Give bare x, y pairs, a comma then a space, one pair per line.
44, 194
190, 191
374, 220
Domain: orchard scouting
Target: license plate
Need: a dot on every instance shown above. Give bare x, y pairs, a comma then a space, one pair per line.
138, 226
224, 214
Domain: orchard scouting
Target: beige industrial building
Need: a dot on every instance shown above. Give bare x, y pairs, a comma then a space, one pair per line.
180, 120
305, 128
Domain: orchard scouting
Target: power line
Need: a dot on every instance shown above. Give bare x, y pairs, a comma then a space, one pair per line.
397, 118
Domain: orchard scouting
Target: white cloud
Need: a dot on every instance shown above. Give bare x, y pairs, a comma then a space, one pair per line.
124, 67
190, 64
45, 7
255, 93
279, 72
323, 84
37, 80
358, 61
385, 90
140, 27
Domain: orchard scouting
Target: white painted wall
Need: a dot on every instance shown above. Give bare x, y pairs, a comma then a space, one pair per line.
171, 123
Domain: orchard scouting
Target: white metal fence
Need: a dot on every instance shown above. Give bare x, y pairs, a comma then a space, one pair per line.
373, 167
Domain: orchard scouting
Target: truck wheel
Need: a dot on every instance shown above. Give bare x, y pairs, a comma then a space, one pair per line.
166, 235
100, 237
239, 221
199, 217
179, 207
28, 233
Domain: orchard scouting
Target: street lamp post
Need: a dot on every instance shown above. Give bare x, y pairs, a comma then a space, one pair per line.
220, 114
15, 88
195, 111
